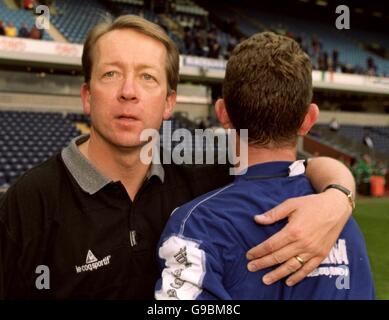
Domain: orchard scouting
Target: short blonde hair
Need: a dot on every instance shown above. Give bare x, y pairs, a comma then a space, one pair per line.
143, 26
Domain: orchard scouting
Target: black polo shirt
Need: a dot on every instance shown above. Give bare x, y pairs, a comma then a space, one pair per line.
96, 242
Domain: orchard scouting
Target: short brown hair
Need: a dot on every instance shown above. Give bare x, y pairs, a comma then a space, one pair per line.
268, 88
138, 24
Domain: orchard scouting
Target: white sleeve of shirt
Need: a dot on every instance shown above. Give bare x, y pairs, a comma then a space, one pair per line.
184, 269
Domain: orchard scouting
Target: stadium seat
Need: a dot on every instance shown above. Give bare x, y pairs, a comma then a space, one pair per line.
27, 138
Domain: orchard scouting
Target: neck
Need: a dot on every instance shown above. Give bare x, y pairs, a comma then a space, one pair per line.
122, 165
261, 155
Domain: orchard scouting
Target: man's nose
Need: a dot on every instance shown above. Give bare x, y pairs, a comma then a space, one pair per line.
128, 91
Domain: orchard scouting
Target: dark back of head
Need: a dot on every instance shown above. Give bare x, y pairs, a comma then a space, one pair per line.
268, 88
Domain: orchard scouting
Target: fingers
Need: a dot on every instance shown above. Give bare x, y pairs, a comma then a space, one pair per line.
287, 268
274, 258
275, 242
279, 212
306, 269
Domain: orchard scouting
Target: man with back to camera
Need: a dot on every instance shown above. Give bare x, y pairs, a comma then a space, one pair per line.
93, 214
203, 247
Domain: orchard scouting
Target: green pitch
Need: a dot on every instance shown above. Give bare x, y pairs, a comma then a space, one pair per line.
373, 218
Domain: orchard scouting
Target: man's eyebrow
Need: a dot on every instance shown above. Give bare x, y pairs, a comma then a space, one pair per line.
138, 67
147, 66
113, 63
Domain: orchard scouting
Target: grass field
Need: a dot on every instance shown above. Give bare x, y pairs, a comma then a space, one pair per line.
373, 218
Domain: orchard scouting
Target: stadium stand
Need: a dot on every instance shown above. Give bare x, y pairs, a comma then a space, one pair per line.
28, 138
19, 17
350, 52
200, 29
204, 38
74, 18
348, 141
352, 56
379, 135
195, 33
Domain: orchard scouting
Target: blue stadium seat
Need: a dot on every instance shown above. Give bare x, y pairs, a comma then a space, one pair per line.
28, 138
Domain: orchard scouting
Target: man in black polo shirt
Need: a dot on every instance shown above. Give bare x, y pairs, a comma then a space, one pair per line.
85, 223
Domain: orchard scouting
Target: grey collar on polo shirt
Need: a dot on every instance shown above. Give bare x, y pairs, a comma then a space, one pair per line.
87, 175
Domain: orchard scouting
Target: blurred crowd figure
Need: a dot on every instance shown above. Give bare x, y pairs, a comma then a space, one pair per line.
9, 30
31, 4
201, 39
370, 176
371, 66
28, 4
329, 61
368, 141
368, 173
334, 125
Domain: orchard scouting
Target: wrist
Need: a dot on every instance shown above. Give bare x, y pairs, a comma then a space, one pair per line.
344, 199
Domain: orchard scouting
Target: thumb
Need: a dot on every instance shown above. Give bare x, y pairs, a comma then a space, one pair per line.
279, 212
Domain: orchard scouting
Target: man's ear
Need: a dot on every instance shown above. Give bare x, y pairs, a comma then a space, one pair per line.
222, 115
85, 98
309, 120
171, 101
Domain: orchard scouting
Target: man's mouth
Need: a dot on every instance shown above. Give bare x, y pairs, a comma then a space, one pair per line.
127, 118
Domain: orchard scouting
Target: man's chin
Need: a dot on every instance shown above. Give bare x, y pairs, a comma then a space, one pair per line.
130, 144
127, 141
